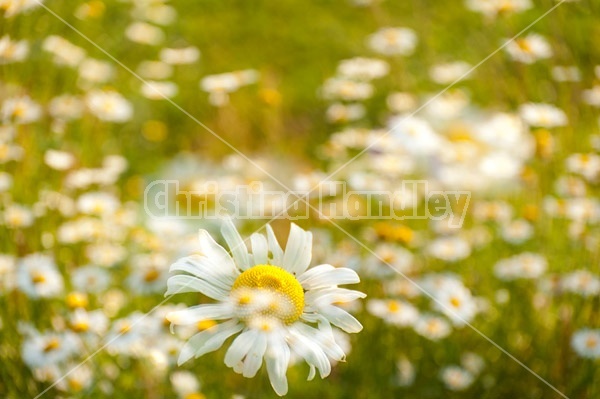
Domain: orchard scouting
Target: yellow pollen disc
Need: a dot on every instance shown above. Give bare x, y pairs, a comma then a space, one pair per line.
51, 345
151, 275
38, 278
393, 306
455, 302
277, 280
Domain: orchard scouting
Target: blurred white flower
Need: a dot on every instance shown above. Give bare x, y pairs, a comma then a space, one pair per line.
38, 277
363, 68
543, 115
12, 50
159, 90
529, 49
456, 378
109, 106
179, 56
586, 343
144, 33
59, 160
393, 41
20, 110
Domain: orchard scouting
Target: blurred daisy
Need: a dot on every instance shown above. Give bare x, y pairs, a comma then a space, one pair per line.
48, 349
566, 73
449, 72
159, 90
64, 52
399, 313
18, 216
59, 160
66, 107
14, 7
529, 49
581, 282
95, 71
97, 203
346, 89
13, 50
432, 327
543, 115
363, 68
38, 277
449, 249
517, 231
393, 41
20, 110
109, 106
526, 265
270, 297
342, 113
456, 378
586, 343
179, 56
144, 33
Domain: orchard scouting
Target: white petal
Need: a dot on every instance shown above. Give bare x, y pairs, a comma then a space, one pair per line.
207, 269
332, 295
311, 373
180, 284
196, 314
310, 351
324, 338
208, 340
210, 249
274, 247
236, 244
277, 358
278, 381
240, 347
341, 318
260, 249
326, 276
298, 251
254, 359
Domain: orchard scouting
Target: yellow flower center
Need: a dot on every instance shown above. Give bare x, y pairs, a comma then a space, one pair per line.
276, 280
51, 345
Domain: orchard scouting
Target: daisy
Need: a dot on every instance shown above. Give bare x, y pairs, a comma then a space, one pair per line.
529, 49
456, 378
399, 313
270, 297
95, 71
13, 50
48, 349
66, 107
64, 52
20, 110
38, 276
179, 56
14, 7
363, 68
155, 90
393, 41
543, 115
109, 106
432, 327
144, 33
586, 343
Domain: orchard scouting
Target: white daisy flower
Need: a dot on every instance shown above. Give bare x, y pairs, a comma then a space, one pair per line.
270, 298
456, 378
586, 343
